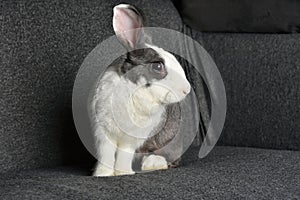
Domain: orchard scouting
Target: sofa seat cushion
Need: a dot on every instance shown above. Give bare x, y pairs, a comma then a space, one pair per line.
227, 173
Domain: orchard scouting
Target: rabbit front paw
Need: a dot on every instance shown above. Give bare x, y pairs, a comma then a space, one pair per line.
102, 170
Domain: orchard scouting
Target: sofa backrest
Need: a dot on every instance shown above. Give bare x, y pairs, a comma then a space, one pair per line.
261, 73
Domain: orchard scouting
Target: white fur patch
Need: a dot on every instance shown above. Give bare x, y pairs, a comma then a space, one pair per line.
102, 170
154, 162
175, 82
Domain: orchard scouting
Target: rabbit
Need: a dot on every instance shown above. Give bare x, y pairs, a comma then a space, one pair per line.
137, 91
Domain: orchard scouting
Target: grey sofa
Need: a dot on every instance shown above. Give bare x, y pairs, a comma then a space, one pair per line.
43, 44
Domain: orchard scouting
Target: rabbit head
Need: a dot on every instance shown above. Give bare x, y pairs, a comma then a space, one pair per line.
155, 71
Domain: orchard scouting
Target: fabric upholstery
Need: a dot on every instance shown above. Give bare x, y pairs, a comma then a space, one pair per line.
43, 43
42, 46
255, 16
227, 173
261, 73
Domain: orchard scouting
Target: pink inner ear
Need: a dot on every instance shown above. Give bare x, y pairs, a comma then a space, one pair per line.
124, 20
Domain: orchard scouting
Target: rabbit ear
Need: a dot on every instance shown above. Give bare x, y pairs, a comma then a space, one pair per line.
126, 23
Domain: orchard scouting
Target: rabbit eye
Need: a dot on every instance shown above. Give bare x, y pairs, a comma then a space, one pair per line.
158, 67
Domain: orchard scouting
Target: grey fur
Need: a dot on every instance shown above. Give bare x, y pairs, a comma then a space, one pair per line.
137, 64
163, 134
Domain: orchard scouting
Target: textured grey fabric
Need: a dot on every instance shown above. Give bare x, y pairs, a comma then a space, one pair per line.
227, 173
261, 73
43, 43
254, 16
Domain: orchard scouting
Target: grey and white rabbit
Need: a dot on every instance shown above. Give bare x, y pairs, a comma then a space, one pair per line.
132, 100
